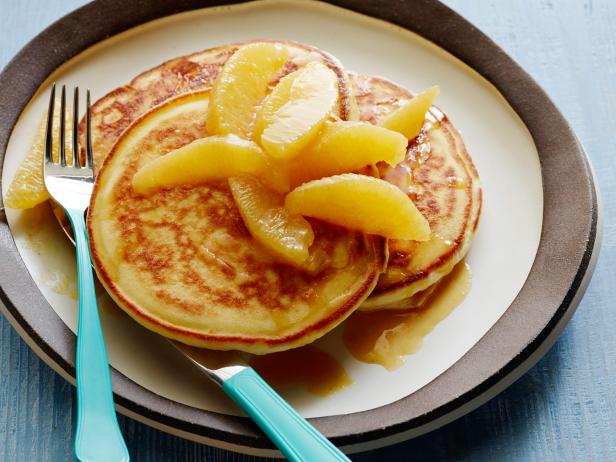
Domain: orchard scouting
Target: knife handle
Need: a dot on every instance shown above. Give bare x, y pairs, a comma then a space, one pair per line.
291, 433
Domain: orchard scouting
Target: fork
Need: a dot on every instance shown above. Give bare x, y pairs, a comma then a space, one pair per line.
71, 187
98, 436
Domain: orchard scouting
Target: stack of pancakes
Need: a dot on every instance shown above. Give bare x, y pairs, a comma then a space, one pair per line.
182, 263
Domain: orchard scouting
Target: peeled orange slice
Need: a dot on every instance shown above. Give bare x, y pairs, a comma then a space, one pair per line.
205, 159
241, 86
346, 147
285, 235
28, 186
409, 119
289, 127
273, 102
360, 202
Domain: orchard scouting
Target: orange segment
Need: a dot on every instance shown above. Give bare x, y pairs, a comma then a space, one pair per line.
28, 187
311, 97
276, 176
272, 103
346, 147
360, 202
205, 159
409, 119
241, 86
285, 235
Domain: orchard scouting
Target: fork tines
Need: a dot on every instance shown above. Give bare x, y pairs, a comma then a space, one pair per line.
75, 144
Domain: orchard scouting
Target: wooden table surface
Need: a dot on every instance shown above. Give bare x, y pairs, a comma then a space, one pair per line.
563, 409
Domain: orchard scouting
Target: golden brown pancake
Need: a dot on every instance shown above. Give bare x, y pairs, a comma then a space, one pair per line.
439, 176
238, 296
181, 262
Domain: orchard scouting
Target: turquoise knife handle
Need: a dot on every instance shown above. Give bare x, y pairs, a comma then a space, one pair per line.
98, 436
290, 432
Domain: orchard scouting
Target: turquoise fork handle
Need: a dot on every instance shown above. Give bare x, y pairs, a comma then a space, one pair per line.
98, 436
290, 432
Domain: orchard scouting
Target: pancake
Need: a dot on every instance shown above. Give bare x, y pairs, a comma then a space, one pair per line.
180, 261
439, 176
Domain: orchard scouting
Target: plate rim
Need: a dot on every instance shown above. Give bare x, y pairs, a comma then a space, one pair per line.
446, 29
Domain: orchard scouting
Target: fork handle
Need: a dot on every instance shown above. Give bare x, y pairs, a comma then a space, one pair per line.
98, 436
291, 433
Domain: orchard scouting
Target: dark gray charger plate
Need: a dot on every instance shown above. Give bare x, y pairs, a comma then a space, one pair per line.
560, 273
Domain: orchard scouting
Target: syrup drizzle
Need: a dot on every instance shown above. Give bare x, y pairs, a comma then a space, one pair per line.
385, 337
308, 366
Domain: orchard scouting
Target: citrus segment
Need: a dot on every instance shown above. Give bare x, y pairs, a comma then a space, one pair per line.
409, 119
360, 202
241, 86
285, 235
28, 186
346, 147
205, 159
311, 98
273, 102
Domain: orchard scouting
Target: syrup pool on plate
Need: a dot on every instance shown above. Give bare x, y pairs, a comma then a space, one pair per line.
307, 366
38, 230
385, 337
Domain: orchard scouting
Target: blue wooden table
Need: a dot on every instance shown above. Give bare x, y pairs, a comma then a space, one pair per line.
563, 409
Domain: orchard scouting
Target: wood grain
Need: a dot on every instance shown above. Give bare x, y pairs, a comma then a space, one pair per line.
563, 409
